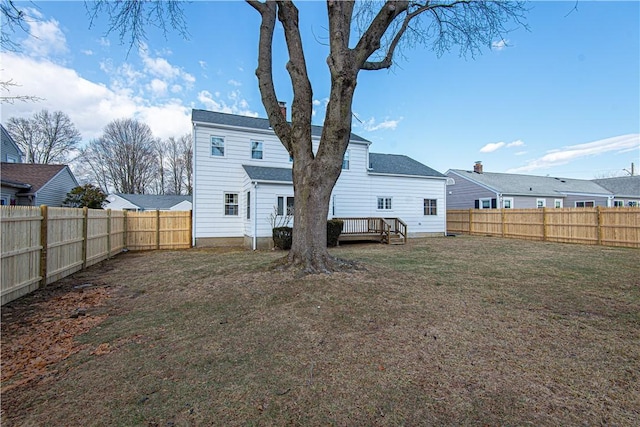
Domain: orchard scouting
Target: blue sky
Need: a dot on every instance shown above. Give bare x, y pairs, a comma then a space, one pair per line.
561, 99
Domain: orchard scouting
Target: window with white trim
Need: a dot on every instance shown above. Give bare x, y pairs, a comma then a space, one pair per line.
430, 206
256, 150
633, 203
345, 160
217, 146
541, 203
618, 203
557, 203
384, 203
231, 204
485, 204
585, 204
281, 205
507, 203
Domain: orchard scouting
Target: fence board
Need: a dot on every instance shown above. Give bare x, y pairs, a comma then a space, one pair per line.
65, 237
592, 226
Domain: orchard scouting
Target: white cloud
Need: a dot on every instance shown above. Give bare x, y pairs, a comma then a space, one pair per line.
500, 44
160, 67
235, 104
492, 146
619, 144
158, 87
371, 125
203, 65
45, 37
87, 52
234, 83
91, 106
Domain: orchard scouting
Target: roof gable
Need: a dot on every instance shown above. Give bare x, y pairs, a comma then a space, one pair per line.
154, 201
531, 185
396, 164
628, 186
234, 120
35, 175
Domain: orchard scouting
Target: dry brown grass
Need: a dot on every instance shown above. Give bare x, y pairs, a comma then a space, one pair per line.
443, 331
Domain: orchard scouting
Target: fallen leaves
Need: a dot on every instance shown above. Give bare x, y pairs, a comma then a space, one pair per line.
37, 335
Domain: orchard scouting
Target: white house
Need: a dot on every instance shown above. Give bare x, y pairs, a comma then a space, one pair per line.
242, 175
148, 202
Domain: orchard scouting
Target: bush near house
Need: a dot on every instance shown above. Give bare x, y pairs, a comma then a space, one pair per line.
334, 228
282, 236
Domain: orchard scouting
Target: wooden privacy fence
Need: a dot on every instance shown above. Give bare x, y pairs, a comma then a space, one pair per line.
41, 245
591, 226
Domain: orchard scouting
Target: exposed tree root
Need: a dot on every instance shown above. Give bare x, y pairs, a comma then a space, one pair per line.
327, 264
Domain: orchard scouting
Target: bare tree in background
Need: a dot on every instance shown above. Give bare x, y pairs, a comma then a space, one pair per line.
124, 158
46, 137
186, 149
177, 180
365, 39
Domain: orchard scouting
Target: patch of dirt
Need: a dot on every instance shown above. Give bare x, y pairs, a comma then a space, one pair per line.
39, 330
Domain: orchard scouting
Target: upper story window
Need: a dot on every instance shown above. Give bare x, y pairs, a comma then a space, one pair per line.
256, 150
384, 203
217, 146
345, 160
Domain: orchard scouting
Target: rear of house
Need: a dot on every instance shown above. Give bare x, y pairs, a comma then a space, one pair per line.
243, 184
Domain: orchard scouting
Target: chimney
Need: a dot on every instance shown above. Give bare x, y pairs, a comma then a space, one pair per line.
283, 108
477, 167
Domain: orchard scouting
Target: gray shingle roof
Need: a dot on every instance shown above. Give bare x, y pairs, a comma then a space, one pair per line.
32, 174
627, 186
154, 201
530, 185
396, 164
204, 116
260, 173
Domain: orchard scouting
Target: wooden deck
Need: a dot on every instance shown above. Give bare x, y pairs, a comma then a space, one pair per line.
392, 231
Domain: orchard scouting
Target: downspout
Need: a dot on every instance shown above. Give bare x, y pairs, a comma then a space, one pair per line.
446, 233
255, 215
193, 190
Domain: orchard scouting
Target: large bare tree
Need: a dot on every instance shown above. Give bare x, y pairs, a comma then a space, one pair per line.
368, 38
46, 137
124, 158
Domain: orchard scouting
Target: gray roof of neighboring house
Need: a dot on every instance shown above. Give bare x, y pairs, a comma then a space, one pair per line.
396, 164
154, 201
628, 186
260, 173
204, 116
532, 185
33, 175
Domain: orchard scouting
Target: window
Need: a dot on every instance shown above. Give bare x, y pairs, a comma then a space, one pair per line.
485, 203
230, 204
217, 146
256, 150
345, 161
633, 203
248, 204
430, 207
618, 203
281, 205
541, 203
585, 204
4, 201
557, 203
11, 159
507, 203
384, 203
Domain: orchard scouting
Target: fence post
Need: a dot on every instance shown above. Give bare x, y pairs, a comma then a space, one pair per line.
157, 229
599, 229
502, 217
470, 222
544, 225
44, 229
108, 233
191, 228
85, 235
125, 237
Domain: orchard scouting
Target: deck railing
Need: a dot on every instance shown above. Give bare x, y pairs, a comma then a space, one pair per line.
382, 229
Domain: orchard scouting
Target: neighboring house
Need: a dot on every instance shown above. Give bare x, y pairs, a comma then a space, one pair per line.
242, 177
468, 189
148, 202
29, 184
10, 152
625, 189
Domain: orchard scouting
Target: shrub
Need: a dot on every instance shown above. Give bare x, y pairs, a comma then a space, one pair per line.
282, 237
334, 228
